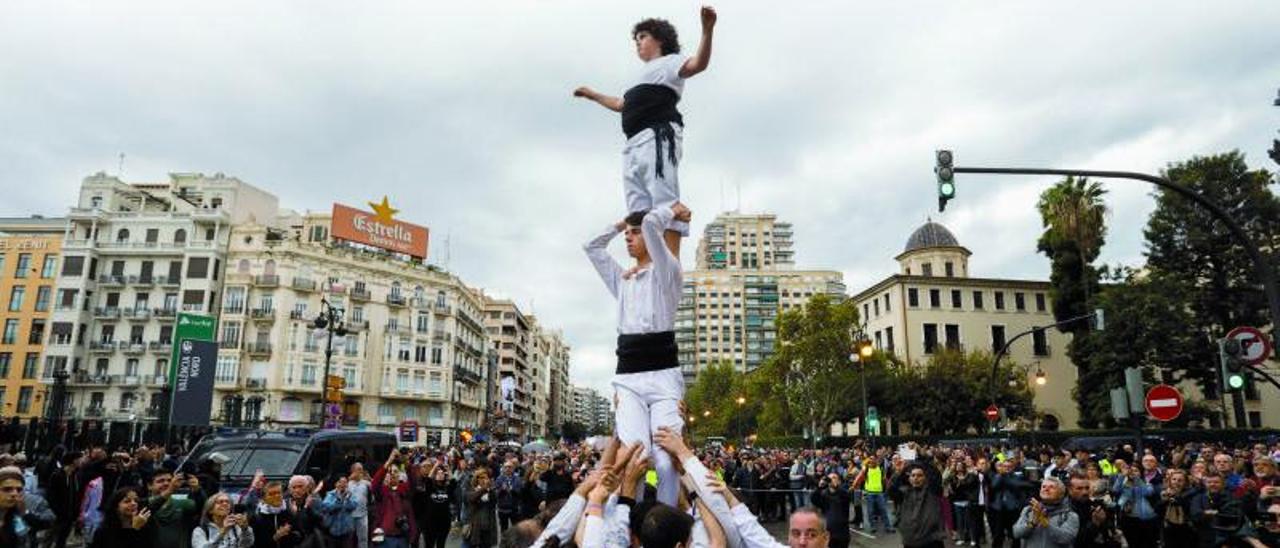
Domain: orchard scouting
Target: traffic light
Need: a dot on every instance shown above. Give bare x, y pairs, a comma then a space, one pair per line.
1232, 366
946, 179
873, 420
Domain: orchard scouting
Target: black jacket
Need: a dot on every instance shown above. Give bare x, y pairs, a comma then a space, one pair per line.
834, 504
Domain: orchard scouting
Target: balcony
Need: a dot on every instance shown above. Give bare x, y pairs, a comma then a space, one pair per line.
357, 325
263, 314
298, 315
396, 300
139, 313
233, 308
157, 380
133, 348
303, 284
351, 352
168, 281
109, 280
94, 411
466, 375
160, 346
130, 380
84, 378
193, 307
106, 312
361, 295
164, 312
260, 349
440, 335
224, 382
443, 309
232, 344
103, 347
420, 302
396, 329
142, 280
266, 280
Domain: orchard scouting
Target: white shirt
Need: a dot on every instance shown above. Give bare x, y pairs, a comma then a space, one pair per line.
663, 71
360, 493
647, 301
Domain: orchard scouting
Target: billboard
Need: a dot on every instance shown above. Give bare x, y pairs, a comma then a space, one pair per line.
193, 385
190, 326
379, 229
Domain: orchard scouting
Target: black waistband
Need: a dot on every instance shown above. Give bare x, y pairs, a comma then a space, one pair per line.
649, 105
647, 352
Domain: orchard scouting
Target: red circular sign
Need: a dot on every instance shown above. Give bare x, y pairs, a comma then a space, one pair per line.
1164, 403
993, 412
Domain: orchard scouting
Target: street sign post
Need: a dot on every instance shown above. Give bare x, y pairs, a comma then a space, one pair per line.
1163, 402
1255, 347
993, 413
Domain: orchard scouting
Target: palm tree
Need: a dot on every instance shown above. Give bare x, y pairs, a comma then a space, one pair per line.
1074, 218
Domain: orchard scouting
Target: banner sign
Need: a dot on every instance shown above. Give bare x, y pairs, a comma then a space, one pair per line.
193, 327
193, 383
379, 229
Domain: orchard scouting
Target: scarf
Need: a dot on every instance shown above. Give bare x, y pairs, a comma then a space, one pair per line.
264, 508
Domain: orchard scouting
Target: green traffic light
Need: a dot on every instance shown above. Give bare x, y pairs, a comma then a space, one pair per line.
947, 189
1235, 382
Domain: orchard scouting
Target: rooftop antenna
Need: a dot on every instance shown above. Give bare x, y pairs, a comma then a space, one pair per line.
738, 209
448, 249
722, 194
120, 167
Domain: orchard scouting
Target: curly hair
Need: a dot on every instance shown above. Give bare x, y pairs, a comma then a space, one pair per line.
662, 31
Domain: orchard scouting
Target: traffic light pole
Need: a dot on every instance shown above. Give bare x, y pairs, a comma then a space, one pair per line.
1262, 268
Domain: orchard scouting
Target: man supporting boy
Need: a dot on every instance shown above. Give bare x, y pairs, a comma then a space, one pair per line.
648, 385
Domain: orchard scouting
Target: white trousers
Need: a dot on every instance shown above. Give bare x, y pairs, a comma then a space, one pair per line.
641, 185
646, 402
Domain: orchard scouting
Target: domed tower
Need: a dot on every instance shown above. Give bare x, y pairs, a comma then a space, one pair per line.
932, 250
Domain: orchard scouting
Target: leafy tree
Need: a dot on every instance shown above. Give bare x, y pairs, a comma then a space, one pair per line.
808, 380
1187, 246
948, 393
1150, 327
572, 430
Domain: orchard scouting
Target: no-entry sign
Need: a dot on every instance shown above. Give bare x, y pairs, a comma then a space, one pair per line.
1164, 403
992, 413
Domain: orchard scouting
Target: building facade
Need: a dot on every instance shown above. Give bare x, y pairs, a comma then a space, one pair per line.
554, 353
414, 350
512, 335
592, 410
134, 255
29, 258
933, 303
745, 278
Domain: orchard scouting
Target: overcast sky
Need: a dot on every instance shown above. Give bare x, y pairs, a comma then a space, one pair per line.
826, 113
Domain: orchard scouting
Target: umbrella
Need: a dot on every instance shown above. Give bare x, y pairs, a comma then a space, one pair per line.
536, 447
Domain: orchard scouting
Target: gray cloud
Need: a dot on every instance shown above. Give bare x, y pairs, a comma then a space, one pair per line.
824, 112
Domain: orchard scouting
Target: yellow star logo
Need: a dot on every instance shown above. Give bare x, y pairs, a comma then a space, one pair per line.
383, 211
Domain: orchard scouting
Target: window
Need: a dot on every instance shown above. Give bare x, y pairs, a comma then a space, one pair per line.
131, 367
43, 294
955, 298
913, 297
977, 300
5, 359
953, 336
50, 266
16, 295
1040, 305
10, 332
180, 236
950, 269
437, 355
198, 268
308, 373
866, 310
175, 271
29, 365
935, 298
24, 399
36, 334
926, 269
73, 266
887, 308
422, 322
228, 367
385, 410
1020, 301
876, 308
888, 338
999, 300
997, 337
436, 387
231, 333
930, 338
128, 400
1039, 343
24, 265
122, 236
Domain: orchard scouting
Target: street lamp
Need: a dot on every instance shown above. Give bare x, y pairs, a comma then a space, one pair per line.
1040, 377
330, 320
862, 356
741, 400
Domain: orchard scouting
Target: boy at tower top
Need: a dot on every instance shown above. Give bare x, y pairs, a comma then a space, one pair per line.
652, 124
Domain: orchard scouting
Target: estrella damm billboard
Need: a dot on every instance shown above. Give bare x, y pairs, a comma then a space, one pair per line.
379, 229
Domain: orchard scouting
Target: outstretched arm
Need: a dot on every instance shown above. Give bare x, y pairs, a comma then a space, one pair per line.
700, 60
607, 101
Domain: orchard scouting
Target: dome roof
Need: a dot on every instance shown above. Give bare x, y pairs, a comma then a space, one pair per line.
930, 234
